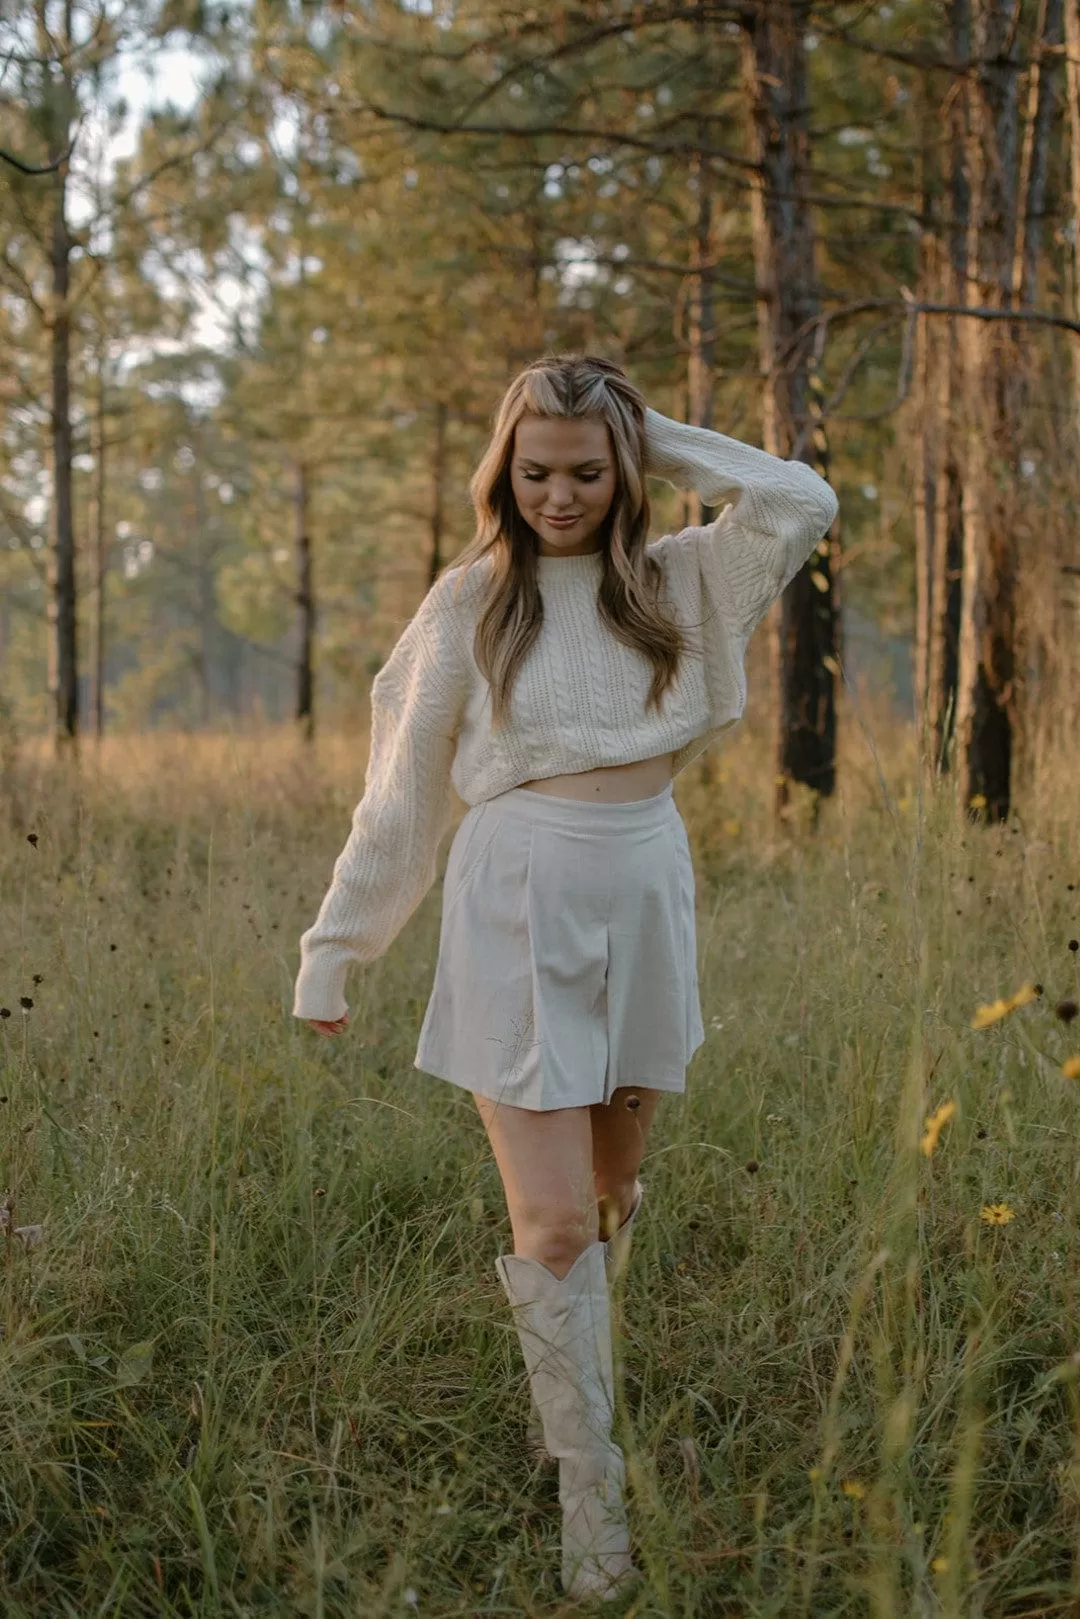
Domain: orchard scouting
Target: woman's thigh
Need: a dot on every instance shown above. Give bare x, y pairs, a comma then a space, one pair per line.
620, 1129
545, 1160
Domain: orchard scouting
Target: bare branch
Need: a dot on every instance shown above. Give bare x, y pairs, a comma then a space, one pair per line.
48, 168
612, 137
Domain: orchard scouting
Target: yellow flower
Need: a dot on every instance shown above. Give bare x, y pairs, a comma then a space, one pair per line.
732, 828
815, 1474
934, 1126
1071, 1068
985, 1015
997, 1214
940, 1565
977, 801
853, 1488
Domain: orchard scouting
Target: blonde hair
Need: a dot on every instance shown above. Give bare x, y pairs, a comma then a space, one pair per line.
512, 612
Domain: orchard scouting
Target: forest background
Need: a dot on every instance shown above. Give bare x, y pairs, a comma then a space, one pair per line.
254, 1358
250, 366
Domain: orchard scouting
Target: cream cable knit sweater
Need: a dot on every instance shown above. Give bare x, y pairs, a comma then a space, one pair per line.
578, 701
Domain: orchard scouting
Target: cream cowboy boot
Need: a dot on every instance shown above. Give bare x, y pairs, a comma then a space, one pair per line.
564, 1326
616, 1254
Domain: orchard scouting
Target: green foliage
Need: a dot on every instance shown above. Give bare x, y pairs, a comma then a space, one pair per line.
374, 215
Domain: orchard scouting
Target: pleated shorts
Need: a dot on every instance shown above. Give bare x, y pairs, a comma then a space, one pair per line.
567, 952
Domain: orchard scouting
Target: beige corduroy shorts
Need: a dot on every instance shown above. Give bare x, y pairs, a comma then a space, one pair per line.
567, 952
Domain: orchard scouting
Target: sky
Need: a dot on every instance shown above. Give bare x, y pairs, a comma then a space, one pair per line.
151, 79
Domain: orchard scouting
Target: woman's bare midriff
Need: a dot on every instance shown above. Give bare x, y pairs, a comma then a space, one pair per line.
611, 784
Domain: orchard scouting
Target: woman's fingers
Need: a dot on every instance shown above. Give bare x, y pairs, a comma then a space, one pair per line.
336, 1027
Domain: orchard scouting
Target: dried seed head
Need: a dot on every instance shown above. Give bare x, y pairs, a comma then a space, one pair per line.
1066, 1010
31, 837
25, 1002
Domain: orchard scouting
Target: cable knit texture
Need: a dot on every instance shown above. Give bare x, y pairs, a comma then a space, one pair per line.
579, 699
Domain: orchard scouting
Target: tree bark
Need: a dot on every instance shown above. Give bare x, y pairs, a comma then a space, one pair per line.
926, 434
805, 622
701, 359
99, 549
438, 492
1036, 154
1072, 96
947, 557
988, 699
305, 604
63, 661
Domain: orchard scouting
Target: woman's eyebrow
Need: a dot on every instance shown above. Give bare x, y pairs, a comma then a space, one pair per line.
594, 461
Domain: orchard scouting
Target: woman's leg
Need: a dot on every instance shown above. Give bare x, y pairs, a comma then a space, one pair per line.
546, 1164
620, 1129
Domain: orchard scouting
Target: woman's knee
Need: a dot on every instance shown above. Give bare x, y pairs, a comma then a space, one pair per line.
545, 1162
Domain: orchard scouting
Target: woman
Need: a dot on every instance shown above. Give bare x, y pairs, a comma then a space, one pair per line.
565, 995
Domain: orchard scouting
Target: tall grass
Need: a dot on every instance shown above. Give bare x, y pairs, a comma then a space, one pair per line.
259, 1362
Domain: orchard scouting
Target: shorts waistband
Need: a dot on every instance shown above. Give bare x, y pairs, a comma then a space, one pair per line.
546, 809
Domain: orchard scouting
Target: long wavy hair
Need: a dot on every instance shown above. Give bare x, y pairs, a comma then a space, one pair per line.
512, 611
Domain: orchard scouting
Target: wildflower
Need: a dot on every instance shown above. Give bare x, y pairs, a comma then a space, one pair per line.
977, 801
815, 1474
732, 828
985, 1015
997, 1214
934, 1125
1071, 1068
940, 1565
752, 1166
853, 1488
1066, 1010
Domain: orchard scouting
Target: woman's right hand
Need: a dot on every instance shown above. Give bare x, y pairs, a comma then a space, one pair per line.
337, 1027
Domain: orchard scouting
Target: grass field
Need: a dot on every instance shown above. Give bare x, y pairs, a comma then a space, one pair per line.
259, 1361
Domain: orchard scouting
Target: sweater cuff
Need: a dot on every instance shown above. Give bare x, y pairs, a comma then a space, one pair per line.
674, 452
320, 991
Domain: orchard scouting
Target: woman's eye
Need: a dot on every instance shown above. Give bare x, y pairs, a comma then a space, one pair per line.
538, 477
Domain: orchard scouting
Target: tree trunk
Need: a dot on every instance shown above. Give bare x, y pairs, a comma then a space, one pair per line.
987, 707
438, 492
926, 433
99, 548
701, 360
805, 621
305, 605
1072, 96
947, 557
63, 662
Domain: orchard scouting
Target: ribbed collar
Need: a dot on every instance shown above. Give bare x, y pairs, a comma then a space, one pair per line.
573, 567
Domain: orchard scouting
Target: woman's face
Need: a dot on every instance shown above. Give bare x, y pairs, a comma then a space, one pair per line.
563, 467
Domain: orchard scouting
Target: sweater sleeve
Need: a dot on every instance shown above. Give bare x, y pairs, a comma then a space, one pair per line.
388, 863
776, 511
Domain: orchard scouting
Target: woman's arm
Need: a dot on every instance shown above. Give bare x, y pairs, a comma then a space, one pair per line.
775, 513
388, 863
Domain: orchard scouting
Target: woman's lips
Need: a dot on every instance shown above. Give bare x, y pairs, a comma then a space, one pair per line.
561, 522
